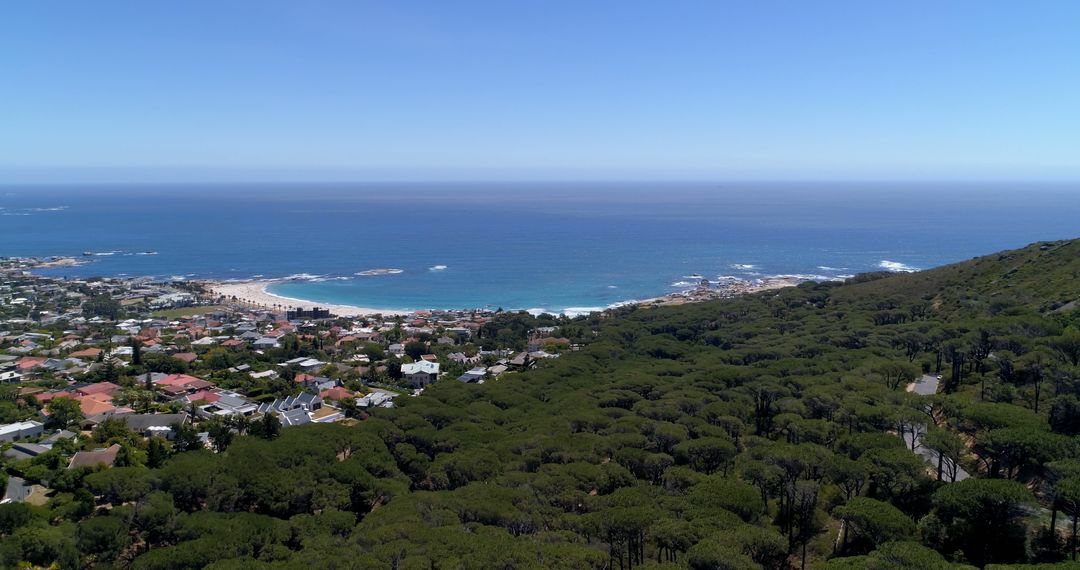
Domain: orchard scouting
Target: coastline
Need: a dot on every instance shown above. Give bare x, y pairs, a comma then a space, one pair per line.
255, 293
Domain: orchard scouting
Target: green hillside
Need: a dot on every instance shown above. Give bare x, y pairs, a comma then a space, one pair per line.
756, 432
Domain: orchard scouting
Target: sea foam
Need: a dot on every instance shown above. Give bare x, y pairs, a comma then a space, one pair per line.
896, 266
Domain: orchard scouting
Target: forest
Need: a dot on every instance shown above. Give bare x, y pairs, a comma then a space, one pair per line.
769, 431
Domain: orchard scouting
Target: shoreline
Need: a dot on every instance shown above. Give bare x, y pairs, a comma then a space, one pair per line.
256, 293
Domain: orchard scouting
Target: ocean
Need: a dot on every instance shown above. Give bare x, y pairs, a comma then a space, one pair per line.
553, 246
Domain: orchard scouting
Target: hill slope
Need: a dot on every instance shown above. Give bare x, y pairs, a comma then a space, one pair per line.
727, 434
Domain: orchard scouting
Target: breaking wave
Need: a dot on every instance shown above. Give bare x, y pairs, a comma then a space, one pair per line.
896, 266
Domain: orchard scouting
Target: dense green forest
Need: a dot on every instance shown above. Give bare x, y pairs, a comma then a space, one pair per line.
757, 432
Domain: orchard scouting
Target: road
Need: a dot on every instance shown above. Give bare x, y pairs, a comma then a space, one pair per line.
17, 490
927, 385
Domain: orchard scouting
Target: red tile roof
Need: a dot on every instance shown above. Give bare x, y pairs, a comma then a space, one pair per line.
86, 353
50, 395
205, 395
337, 393
177, 380
100, 388
28, 362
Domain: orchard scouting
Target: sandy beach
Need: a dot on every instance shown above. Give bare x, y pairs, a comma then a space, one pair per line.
255, 293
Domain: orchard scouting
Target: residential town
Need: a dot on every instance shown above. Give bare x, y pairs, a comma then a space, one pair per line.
102, 372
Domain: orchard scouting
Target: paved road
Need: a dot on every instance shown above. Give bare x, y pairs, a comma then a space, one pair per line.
931, 457
926, 385
17, 490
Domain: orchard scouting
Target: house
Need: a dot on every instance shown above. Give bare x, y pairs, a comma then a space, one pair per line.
206, 396
397, 349
104, 388
304, 363
91, 353
106, 456
28, 363
46, 396
421, 373
294, 410
305, 400
21, 430
265, 343
476, 375
228, 403
460, 332
176, 386
187, 357
460, 358
20, 451
96, 404
336, 393
147, 425
10, 377
377, 399
314, 384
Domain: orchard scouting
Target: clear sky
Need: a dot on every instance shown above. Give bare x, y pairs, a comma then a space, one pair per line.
458, 89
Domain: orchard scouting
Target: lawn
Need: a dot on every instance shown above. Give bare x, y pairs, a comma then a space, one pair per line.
188, 311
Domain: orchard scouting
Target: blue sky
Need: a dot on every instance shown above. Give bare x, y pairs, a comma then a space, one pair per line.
268, 90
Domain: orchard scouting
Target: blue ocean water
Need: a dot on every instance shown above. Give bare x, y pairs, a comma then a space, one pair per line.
523, 245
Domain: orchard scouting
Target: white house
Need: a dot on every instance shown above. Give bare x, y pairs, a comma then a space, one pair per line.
21, 430
420, 374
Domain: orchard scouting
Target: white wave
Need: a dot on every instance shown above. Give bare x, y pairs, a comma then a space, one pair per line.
372, 272
693, 276
612, 286
896, 266
437, 268
536, 312
301, 277
682, 284
803, 277
53, 209
579, 311
827, 268
727, 278
16, 214
322, 279
743, 266
146, 253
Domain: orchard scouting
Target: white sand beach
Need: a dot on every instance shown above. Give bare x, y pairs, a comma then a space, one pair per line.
255, 293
